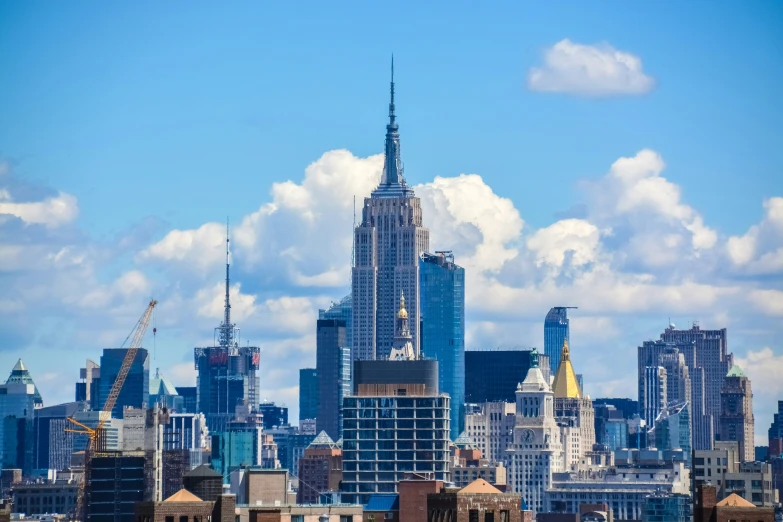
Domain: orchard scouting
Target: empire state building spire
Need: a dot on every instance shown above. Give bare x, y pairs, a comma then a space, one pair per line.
392, 167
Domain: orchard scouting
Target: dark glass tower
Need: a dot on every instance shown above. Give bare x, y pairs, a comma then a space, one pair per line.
443, 328
555, 332
136, 390
308, 393
333, 360
492, 376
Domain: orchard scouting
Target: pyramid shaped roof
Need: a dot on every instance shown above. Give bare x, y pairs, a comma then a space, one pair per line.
203, 471
479, 486
20, 375
160, 385
735, 371
565, 385
464, 441
735, 500
323, 440
183, 495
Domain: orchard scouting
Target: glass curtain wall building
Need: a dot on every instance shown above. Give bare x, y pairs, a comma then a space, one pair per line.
308, 393
443, 328
555, 333
333, 366
136, 390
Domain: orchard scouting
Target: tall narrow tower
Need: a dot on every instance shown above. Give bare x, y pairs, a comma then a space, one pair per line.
387, 245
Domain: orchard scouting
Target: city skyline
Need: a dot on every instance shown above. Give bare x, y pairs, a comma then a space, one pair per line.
632, 243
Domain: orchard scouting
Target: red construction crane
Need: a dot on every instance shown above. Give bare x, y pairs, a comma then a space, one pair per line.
96, 444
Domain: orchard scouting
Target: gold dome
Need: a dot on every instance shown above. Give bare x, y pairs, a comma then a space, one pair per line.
403, 313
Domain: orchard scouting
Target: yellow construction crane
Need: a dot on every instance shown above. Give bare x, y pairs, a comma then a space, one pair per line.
96, 443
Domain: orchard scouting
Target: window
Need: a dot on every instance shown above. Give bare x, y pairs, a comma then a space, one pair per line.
169, 519
300, 518
183, 518
473, 515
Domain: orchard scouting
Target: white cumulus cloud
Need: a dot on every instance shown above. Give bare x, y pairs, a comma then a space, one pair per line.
52, 211
591, 70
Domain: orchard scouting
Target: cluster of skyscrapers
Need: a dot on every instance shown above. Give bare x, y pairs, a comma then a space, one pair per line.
396, 400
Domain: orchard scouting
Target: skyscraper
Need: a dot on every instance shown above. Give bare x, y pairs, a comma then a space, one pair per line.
387, 245
736, 414
308, 393
493, 375
706, 354
226, 371
652, 393
443, 328
136, 390
555, 332
333, 360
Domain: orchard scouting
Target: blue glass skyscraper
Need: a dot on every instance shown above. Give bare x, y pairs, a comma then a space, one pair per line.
136, 390
555, 332
442, 306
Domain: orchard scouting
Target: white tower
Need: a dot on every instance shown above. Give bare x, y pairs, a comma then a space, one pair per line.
536, 451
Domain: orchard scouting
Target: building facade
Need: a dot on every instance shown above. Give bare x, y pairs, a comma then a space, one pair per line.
443, 328
136, 390
308, 393
320, 471
672, 428
722, 467
536, 451
708, 359
556, 332
333, 363
507, 367
490, 426
227, 376
574, 412
652, 393
736, 414
396, 422
624, 489
387, 246
116, 484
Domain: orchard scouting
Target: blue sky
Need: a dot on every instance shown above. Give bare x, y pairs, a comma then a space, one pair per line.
160, 117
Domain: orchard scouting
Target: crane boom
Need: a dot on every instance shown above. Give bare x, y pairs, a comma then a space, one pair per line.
137, 337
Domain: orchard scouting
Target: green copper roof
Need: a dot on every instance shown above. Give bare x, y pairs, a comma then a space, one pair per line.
736, 371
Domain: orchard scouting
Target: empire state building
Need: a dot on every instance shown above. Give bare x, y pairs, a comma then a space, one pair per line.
387, 245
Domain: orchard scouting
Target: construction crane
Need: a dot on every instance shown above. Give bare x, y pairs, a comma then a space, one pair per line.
96, 443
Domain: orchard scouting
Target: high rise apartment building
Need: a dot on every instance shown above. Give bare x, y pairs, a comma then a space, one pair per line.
736, 415
443, 328
227, 376
387, 246
396, 422
556, 331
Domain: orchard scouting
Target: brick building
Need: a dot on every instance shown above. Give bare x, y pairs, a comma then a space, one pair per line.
184, 504
413, 492
320, 470
733, 507
479, 501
